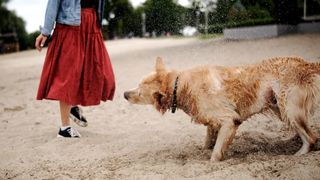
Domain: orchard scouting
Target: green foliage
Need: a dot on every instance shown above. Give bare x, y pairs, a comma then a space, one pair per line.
210, 36
163, 16
120, 16
11, 23
31, 39
234, 13
218, 28
134, 24
286, 11
2, 2
193, 14
222, 10
313, 7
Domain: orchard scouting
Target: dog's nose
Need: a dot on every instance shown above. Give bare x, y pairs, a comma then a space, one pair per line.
126, 95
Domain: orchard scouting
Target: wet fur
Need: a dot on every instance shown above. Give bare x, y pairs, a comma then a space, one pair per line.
221, 98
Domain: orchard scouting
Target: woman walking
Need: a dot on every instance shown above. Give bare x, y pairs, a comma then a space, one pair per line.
77, 69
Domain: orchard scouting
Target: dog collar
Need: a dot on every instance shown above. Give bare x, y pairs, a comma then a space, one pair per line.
174, 96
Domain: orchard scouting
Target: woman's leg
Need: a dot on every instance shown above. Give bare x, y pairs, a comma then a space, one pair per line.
66, 130
64, 111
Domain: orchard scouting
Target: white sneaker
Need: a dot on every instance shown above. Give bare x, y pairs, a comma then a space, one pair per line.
77, 116
70, 132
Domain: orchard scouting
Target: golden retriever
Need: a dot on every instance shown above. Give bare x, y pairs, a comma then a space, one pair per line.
221, 98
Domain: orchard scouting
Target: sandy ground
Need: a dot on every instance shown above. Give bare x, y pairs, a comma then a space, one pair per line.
126, 141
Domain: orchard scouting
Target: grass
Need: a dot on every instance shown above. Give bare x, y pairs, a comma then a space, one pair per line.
209, 36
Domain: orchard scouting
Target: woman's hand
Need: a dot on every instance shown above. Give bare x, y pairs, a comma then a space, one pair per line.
41, 39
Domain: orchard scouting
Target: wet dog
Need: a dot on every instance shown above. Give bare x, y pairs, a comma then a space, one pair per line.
221, 98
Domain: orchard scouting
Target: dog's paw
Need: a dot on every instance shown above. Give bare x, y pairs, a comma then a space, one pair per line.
302, 151
216, 157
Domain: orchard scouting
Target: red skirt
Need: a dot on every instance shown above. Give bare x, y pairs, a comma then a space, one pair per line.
77, 69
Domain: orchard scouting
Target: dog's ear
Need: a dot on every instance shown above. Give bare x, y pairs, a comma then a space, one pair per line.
160, 101
160, 67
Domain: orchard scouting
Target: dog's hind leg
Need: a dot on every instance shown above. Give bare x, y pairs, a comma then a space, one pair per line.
224, 139
296, 110
211, 137
305, 133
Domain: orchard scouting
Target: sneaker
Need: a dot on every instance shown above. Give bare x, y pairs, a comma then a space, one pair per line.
77, 117
69, 133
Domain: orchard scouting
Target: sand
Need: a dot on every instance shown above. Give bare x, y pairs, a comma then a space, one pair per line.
126, 141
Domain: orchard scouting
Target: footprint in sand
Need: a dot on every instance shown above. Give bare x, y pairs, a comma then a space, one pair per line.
26, 79
14, 109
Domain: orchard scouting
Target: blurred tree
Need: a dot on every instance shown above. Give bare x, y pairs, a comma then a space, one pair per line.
2, 2
198, 10
222, 10
283, 11
251, 9
286, 11
122, 19
194, 13
164, 16
32, 38
313, 7
10, 23
135, 24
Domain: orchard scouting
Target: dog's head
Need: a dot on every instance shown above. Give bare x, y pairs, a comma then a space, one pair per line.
152, 89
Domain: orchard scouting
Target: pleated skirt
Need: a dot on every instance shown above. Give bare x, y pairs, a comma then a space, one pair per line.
77, 68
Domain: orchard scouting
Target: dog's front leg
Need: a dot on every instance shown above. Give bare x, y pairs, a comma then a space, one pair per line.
211, 137
224, 139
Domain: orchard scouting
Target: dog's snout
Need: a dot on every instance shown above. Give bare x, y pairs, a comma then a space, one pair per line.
126, 95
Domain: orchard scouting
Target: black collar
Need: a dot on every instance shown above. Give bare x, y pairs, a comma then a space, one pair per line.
174, 96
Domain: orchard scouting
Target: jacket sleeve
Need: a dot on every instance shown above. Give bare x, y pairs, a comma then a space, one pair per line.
50, 17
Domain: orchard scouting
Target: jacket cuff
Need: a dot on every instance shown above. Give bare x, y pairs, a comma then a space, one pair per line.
45, 31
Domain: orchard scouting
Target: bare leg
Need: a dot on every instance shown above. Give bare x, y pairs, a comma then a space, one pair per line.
210, 138
64, 111
225, 137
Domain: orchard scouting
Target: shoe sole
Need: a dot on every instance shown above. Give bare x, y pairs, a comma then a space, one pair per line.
59, 136
77, 121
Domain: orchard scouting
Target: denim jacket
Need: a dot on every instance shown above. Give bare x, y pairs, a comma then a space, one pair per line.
66, 12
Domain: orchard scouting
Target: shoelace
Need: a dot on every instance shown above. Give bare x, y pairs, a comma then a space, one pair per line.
72, 132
